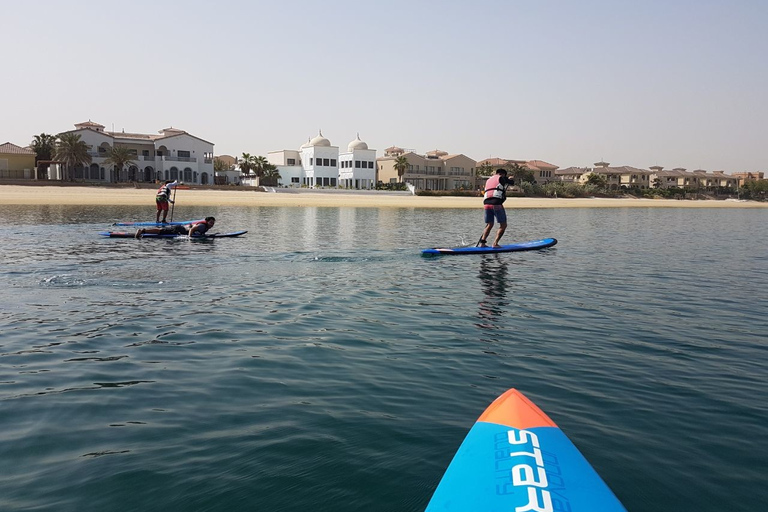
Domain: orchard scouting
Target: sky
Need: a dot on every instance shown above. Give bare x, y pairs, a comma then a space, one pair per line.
676, 83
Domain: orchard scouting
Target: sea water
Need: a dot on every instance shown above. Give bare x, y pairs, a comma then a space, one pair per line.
320, 363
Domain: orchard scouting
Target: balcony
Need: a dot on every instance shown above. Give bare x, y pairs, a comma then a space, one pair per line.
436, 172
169, 158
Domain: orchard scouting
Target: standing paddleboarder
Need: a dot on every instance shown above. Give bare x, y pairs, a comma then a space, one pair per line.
493, 206
162, 199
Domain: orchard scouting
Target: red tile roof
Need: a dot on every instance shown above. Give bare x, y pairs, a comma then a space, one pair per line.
12, 149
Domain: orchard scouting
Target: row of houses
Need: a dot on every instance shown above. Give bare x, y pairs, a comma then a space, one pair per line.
172, 153
318, 163
627, 177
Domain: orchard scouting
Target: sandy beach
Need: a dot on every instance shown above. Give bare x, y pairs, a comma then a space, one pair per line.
88, 195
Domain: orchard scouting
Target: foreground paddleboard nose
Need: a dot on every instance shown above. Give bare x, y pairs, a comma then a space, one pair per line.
515, 458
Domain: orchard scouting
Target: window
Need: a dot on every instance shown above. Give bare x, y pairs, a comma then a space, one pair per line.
357, 164
326, 162
333, 162
183, 154
102, 149
333, 182
144, 152
291, 161
133, 152
295, 179
310, 161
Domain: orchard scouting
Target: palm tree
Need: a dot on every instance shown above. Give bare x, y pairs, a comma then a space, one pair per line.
246, 163
44, 146
119, 157
520, 173
72, 151
259, 165
401, 165
271, 175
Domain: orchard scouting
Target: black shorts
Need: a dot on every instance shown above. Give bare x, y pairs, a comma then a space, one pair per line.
175, 230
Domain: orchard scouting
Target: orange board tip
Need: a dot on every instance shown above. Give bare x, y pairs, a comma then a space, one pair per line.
513, 409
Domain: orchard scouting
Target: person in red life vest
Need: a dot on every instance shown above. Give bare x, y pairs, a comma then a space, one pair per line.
162, 199
493, 206
197, 228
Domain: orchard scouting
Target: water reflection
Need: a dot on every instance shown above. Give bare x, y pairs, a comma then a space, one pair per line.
494, 278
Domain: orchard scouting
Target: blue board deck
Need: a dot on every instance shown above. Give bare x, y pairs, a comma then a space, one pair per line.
515, 458
124, 234
157, 224
523, 246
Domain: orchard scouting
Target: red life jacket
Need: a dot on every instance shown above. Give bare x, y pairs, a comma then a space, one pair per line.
495, 189
193, 225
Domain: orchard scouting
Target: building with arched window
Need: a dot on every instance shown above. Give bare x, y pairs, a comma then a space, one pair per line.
169, 155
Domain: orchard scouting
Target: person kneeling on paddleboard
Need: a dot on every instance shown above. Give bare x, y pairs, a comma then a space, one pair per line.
197, 228
493, 206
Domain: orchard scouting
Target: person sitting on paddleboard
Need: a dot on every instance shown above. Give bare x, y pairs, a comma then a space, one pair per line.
162, 199
493, 206
197, 228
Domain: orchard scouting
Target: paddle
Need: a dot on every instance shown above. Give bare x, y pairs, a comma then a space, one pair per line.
173, 202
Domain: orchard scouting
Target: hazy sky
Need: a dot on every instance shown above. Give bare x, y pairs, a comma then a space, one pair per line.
677, 83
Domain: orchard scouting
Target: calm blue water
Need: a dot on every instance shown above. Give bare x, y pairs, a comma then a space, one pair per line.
320, 363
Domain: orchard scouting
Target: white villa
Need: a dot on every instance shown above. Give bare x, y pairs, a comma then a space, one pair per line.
173, 154
357, 166
319, 164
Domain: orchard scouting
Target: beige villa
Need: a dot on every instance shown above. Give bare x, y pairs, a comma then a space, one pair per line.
696, 180
748, 176
17, 162
436, 170
624, 176
543, 172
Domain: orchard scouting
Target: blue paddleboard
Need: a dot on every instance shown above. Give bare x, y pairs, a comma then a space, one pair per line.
123, 234
516, 459
523, 246
156, 224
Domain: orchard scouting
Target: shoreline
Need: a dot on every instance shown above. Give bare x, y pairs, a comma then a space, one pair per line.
106, 196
